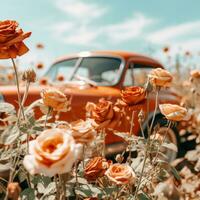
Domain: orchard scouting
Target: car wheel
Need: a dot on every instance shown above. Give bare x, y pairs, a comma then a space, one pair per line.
172, 136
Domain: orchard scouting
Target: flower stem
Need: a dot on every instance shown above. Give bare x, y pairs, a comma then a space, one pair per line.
130, 133
47, 115
168, 127
18, 90
154, 113
147, 146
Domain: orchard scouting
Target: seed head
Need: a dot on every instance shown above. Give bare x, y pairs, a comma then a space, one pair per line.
29, 76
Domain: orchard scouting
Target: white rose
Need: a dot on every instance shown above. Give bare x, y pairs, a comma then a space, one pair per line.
53, 152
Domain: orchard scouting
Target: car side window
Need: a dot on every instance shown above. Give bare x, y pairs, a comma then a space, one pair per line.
136, 74
129, 76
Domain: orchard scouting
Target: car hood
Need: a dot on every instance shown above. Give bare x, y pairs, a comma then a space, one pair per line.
72, 88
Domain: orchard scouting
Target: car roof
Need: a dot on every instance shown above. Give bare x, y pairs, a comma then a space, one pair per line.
135, 57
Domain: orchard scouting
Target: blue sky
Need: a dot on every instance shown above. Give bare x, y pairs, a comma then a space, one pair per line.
66, 26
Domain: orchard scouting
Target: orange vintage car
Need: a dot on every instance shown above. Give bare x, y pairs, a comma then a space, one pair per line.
89, 76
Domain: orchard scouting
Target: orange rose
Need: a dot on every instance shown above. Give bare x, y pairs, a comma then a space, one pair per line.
133, 95
83, 131
53, 152
160, 77
104, 113
195, 73
55, 99
174, 112
95, 168
11, 40
121, 174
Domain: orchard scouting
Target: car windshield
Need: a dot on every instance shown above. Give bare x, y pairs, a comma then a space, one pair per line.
101, 70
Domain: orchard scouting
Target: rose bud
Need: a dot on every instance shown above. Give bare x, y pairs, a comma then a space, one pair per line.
29, 76
13, 190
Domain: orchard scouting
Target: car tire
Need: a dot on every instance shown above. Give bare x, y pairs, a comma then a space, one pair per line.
172, 135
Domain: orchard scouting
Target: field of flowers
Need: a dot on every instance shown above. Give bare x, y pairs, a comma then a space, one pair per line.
52, 159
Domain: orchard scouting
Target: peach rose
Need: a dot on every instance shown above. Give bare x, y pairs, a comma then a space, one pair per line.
160, 77
195, 73
121, 174
174, 112
133, 95
104, 113
11, 40
55, 99
53, 152
83, 131
95, 168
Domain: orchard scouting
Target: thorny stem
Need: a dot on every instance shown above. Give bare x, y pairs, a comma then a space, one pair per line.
18, 90
147, 147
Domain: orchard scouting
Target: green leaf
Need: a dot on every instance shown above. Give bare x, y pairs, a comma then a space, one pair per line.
44, 180
110, 190
143, 196
88, 190
9, 135
28, 194
175, 173
7, 108
46, 190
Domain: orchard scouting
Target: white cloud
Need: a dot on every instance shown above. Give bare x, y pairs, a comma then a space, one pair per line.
129, 29
173, 33
81, 10
82, 36
63, 27
77, 33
